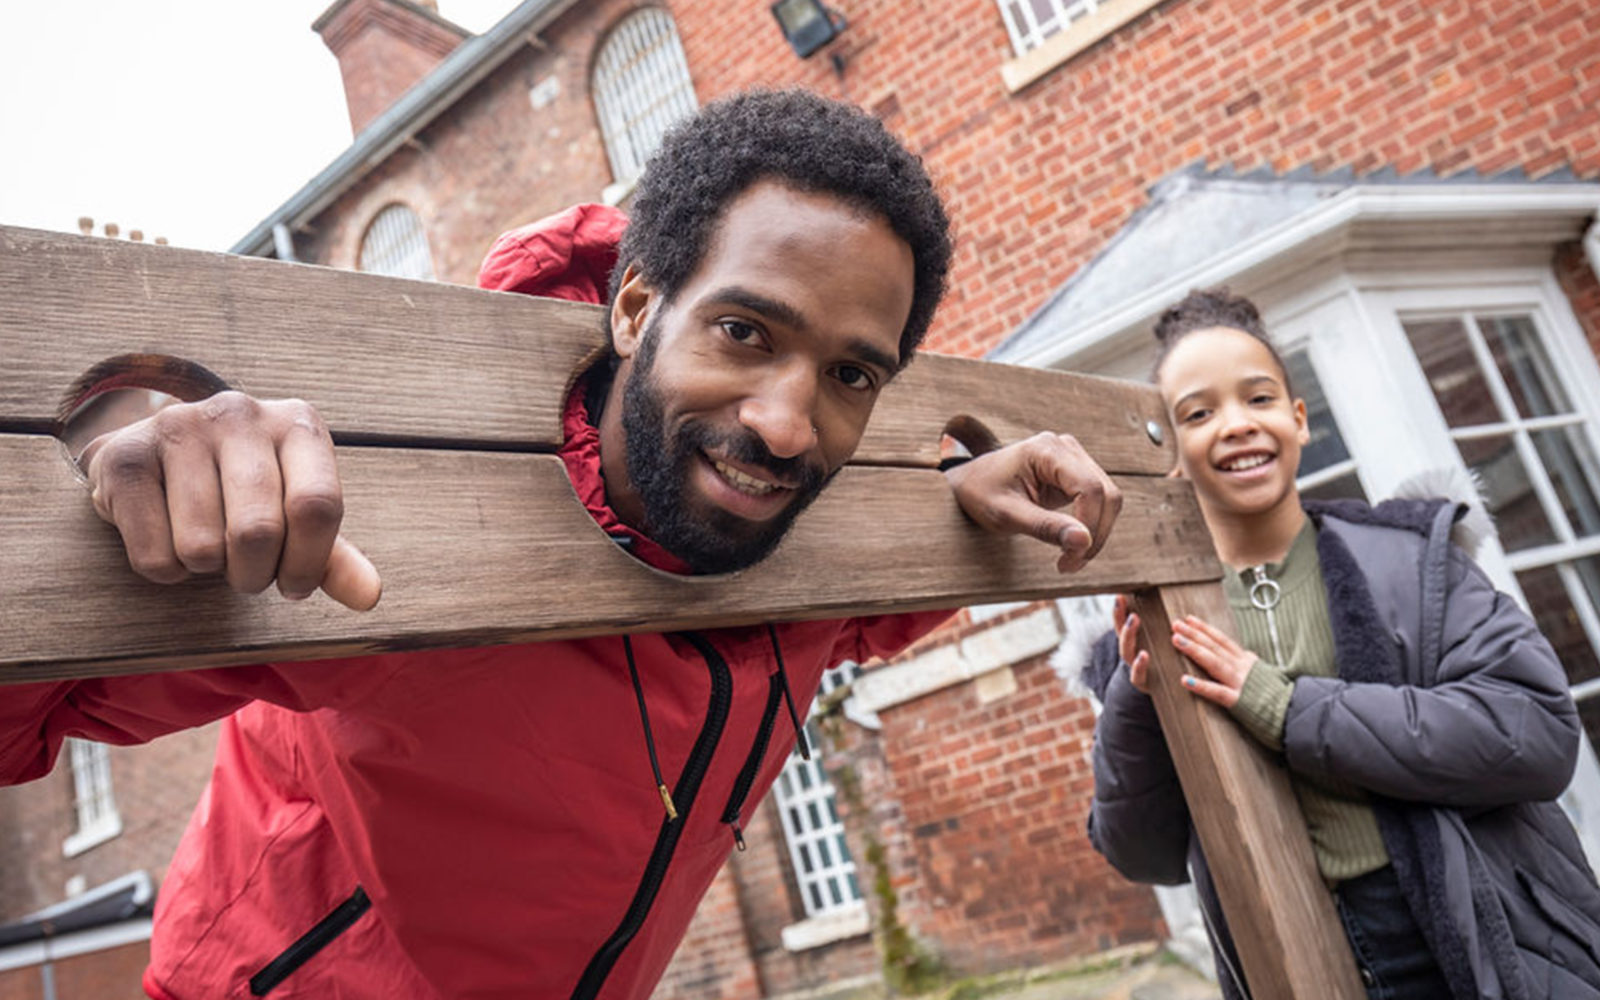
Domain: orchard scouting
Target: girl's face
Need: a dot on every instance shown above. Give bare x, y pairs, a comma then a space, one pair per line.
1239, 432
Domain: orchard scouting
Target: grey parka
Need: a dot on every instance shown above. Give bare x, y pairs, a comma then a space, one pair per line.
1451, 710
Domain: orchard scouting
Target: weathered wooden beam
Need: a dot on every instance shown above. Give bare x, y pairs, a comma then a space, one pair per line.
485, 547
1282, 916
423, 362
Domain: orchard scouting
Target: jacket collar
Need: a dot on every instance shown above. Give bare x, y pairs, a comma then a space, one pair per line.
581, 452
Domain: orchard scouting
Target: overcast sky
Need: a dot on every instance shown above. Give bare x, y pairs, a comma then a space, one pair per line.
189, 119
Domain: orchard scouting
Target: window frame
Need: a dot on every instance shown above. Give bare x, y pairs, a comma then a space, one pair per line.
619, 110
415, 243
93, 803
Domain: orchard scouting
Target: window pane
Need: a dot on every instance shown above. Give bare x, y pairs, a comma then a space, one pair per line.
1445, 353
1524, 365
824, 855
1552, 610
1345, 487
396, 245
833, 890
1327, 444
1511, 501
816, 897
1570, 461
805, 859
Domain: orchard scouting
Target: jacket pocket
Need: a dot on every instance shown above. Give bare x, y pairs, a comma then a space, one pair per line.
1570, 922
308, 944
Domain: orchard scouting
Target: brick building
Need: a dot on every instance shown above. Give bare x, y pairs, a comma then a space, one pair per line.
1408, 189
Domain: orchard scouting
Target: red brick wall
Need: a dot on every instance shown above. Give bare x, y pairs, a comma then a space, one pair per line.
770, 901
1577, 279
981, 809
155, 787
112, 974
1039, 181
713, 962
494, 162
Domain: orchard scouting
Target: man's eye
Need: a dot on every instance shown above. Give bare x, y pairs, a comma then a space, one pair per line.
740, 332
853, 376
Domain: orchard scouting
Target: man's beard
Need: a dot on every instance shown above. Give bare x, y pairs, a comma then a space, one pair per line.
712, 540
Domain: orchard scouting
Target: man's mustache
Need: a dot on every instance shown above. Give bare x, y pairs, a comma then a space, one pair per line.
746, 447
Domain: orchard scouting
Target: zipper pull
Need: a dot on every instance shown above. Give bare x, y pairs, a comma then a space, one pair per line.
738, 834
666, 801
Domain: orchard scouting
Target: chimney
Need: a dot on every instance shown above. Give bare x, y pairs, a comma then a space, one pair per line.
383, 47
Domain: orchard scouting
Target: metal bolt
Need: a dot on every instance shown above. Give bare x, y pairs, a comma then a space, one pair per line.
1154, 430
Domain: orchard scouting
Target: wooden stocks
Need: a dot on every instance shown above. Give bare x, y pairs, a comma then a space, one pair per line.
446, 402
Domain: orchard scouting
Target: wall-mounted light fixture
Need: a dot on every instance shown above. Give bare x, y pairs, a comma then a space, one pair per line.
808, 25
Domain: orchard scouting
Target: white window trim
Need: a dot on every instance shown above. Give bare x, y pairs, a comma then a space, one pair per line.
1063, 45
106, 823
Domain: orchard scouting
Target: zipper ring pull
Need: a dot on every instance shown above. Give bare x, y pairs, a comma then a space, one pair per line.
1264, 592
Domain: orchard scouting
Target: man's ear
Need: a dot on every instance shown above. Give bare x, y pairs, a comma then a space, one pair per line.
630, 311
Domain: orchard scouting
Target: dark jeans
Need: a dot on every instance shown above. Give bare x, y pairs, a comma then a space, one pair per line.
1394, 959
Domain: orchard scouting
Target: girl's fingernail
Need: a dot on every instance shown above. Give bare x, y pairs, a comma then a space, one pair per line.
1188, 681
1179, 640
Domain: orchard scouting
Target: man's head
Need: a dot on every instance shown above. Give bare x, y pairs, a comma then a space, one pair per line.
805, 142
784, 258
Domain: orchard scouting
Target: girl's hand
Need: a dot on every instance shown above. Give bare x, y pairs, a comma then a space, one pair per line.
1138, 660
1220, 657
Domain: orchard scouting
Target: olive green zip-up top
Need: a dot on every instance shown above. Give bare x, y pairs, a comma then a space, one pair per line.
1344, 831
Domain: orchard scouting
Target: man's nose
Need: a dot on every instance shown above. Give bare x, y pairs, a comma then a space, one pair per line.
782, 409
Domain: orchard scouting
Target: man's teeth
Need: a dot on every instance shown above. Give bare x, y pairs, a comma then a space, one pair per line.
743, 483
1247, 462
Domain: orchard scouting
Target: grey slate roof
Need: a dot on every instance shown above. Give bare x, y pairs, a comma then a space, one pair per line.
1197, 214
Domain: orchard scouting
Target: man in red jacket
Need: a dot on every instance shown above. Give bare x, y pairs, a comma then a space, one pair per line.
541, 820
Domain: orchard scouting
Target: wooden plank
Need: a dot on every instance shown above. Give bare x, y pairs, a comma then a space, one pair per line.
1282, 916
431, 363
482, 548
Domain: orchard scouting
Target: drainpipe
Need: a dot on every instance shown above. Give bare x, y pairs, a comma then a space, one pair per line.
283, 242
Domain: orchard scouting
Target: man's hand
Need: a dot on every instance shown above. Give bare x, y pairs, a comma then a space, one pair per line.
236, 486
1021, 488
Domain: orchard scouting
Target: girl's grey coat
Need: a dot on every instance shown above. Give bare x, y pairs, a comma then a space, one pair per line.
1451, 710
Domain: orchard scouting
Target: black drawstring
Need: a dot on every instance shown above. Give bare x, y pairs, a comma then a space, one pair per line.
649, 738
803, 744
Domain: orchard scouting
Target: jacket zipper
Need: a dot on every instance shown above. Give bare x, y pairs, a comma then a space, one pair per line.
683, 795
752, 764
309, 943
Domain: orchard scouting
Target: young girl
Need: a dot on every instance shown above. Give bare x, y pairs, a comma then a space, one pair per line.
1426, 724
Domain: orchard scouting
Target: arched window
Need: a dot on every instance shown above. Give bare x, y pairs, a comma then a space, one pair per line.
396, 245
641, 88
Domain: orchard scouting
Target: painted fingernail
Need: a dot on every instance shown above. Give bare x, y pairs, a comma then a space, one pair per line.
1179, 640
1188, 681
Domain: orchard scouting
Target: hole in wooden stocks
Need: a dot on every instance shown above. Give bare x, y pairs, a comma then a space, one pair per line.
965, 436
129, 387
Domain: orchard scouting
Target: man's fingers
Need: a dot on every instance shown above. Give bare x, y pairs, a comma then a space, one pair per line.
252, 496
313, 504
127, 481
351, 578
194, 503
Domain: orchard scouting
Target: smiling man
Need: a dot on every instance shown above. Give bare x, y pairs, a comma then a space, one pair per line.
541, 820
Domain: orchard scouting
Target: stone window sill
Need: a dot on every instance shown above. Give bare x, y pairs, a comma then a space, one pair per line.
814, 932
91, 836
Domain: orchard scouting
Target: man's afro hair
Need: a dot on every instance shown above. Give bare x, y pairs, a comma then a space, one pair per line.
803, 140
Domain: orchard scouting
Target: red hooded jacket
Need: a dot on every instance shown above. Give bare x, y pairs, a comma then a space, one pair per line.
476, 823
